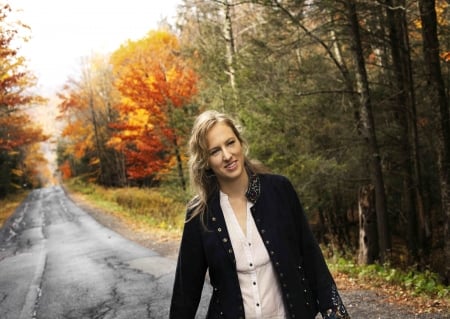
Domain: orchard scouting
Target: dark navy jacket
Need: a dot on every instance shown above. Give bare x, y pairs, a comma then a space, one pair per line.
305, 280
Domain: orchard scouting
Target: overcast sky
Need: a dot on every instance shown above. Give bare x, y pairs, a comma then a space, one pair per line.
63, 31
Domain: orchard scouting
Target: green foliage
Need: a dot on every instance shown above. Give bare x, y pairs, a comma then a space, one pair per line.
424, 283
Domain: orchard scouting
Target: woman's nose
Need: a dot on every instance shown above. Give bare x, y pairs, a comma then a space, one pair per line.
226, 155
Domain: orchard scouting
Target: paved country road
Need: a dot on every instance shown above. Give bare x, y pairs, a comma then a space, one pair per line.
56, 261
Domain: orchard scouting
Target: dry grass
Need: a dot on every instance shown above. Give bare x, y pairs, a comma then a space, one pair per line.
9, 204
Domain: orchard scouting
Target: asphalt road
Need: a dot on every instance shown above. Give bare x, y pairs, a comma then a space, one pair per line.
56, 261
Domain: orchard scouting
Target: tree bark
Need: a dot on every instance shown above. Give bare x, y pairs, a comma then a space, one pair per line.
418, 232
367, 127
439, 102
230, 51
368, 239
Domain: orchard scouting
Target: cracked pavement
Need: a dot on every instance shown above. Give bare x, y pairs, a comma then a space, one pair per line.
56, 261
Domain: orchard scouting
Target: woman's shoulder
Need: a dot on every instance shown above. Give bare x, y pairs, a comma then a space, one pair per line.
273, 178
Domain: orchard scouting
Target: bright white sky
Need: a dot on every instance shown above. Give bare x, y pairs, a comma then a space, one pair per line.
64, 31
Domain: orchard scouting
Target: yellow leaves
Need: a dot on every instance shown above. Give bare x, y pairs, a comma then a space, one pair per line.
446, 56
17, 172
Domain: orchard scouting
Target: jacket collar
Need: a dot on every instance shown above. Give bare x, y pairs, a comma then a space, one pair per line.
254, 188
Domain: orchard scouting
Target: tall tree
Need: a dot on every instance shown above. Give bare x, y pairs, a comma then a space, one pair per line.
156, 84
368, 131
16, 130
439, 103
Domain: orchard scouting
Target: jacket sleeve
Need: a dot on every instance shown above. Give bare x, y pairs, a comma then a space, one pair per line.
319, 277
190, 273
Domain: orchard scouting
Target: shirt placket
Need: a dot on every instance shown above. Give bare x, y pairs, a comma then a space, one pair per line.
249, 247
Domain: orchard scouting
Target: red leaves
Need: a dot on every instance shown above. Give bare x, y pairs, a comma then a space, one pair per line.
153, 80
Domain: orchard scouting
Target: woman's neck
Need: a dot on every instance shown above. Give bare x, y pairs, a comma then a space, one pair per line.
237, 188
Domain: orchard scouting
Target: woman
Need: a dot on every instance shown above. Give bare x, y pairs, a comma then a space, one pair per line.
248, 229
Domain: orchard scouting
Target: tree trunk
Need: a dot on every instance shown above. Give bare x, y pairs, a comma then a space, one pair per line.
368, 131
230, 51
439, 103
179, 163
418, 232
368, 241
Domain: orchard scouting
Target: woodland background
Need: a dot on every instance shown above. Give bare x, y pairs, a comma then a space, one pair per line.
349, 99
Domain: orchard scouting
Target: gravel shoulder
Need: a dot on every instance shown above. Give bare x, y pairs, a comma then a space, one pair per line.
360, 301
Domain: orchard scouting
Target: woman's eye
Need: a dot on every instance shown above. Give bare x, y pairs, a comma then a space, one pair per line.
231, 142
214, 152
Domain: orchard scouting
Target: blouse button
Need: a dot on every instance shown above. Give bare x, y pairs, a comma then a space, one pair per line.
251, 265
254, 283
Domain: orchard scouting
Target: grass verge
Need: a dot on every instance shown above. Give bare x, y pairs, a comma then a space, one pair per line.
9, 204
151, 209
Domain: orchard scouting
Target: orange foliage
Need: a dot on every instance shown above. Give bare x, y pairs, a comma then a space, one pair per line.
153, 80
73, 108
65, 169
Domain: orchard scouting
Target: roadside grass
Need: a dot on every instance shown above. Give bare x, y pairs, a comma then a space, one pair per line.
423, 290
9, 204
161, 209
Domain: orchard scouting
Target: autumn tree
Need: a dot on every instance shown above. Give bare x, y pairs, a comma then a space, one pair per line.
156, 84
17, 133
87, 108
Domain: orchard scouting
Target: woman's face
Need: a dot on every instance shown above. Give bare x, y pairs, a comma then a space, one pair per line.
226, 154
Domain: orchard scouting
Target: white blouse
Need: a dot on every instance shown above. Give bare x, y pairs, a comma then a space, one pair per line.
257, 279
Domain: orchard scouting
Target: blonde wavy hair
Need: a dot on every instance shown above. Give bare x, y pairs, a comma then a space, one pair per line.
203, 181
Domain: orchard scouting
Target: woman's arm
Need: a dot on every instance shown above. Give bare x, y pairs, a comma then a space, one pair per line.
317, 272
190, 273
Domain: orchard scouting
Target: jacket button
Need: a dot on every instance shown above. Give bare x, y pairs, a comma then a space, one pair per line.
225, 240
230, 251
281, 274
263, 231
267, 242
214, 219
219, 229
